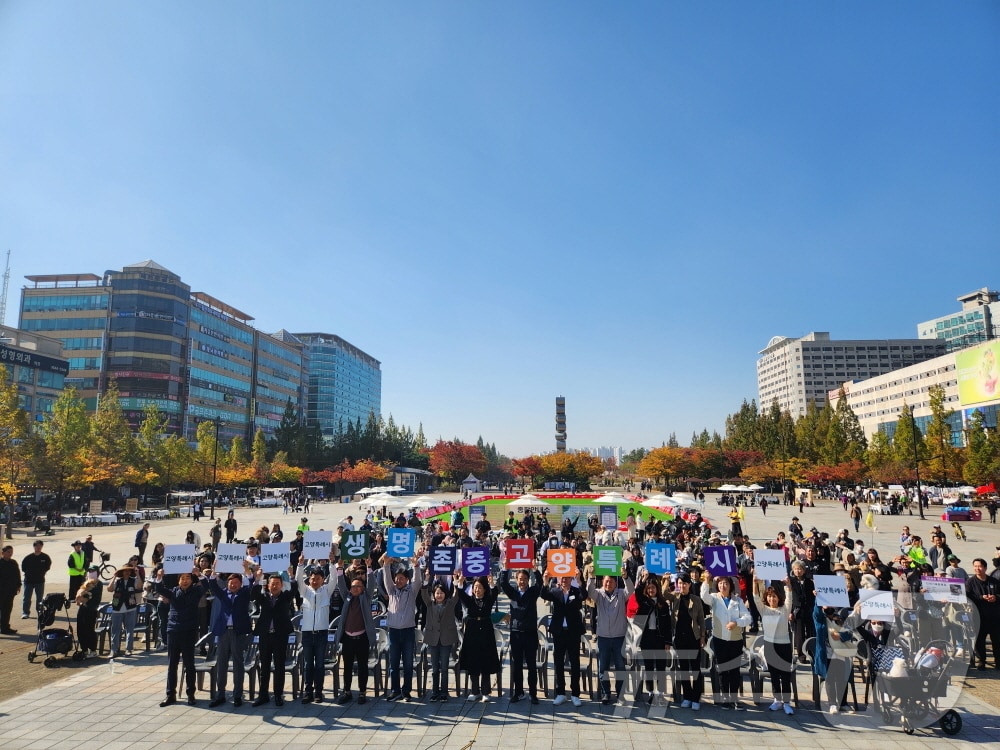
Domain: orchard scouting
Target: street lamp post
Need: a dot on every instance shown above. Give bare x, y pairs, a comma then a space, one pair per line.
215, 467
916, 468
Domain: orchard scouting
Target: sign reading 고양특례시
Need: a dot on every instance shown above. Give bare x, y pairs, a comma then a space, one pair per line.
178, 558
229, 558
316, 545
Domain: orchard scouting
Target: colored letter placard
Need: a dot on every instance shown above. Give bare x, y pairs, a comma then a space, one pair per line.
442, 560
178, 558
229, 558
560, 563
770, 564
401, 542
354, 545
721, 561
316, 545
831, 591
520, 553
877, 606
661, 558
607, 561
475, 561
274, 558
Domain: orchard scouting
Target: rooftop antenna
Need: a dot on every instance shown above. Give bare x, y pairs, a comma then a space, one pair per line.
3, 296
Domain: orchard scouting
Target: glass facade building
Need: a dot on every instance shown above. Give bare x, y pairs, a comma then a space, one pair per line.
344, 383
196, 358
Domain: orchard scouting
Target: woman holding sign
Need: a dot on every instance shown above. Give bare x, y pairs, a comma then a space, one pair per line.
775, 612
729, 617
479, 655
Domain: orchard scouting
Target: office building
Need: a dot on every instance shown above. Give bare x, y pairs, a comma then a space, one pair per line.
801, 371
37, 366
193, 356
344, 383
970, 379
978, 321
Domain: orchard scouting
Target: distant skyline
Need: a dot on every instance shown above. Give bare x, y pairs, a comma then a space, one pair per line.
506, 203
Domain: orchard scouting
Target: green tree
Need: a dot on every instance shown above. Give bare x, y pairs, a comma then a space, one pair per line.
110, 453
65, 433
944, 462
982, 463
908, 442
14, 431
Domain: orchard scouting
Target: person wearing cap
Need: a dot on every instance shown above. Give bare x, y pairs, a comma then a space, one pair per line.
34, 567
89, 548
125, 589
688, 615
77, 568
303, 525
10, 584
315, 593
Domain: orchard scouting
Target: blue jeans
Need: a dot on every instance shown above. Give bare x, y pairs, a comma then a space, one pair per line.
610, 655
39, 591
440, 656
402, 644
313, 652
123, 621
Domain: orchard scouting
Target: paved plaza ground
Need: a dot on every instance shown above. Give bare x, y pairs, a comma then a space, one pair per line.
86, 704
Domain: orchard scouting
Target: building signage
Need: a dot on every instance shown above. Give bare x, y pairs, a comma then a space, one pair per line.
33, 360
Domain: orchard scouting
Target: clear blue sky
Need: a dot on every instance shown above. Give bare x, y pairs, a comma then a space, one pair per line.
506, 202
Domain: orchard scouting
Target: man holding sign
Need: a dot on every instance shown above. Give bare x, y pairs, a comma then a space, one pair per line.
612, 625
231, 627
315, 593
566, 626
401, 618
182, 630
523, 631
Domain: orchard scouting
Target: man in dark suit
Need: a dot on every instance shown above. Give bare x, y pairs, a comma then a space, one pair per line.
182, 631
273, 627
567, 629
231, 626
523, 632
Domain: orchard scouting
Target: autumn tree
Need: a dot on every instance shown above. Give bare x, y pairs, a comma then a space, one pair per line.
982, 465
944, 461
454, 460
14, 432
110, 453
526, 469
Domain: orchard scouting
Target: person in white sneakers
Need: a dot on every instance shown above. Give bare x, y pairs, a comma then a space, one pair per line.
775, 609
689, 639
566, 628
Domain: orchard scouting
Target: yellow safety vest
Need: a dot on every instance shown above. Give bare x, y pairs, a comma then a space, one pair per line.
77, 566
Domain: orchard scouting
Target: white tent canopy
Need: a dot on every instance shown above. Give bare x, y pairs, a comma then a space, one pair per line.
528, 501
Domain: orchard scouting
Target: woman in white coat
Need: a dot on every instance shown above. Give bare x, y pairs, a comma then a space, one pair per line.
729, 616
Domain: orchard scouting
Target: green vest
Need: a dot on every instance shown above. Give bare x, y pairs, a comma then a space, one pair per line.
76, 564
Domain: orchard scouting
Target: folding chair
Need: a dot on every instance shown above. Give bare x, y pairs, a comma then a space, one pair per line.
377, 654
293, 661
545, 647
144, 623
103, 627
204, 664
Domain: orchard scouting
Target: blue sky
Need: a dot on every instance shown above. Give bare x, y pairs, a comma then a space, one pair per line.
506, 202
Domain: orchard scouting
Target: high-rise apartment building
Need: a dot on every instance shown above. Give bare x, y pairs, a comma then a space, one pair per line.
344, 383
801, 371
978, 321
193, 356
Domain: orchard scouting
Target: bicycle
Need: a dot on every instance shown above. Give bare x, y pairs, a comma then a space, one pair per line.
105, 570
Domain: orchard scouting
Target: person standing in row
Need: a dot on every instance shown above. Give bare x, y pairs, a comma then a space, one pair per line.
231, 626
34, 567
440, 635
355, 630
567, 630
315, 593
272, 629
523, 632
401, 619
478, 655
182, 630
612, 626
10, 584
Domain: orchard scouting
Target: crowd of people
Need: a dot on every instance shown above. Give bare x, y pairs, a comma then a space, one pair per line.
665, 625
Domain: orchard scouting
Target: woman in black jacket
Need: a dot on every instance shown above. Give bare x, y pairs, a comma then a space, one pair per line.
651, 629
479, 656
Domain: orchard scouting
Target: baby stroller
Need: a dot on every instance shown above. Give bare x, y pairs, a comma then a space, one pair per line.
51, 640
914, 691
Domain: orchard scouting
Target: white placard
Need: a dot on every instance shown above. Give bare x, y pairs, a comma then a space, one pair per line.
940, 589
274, 558
316, 545
831, 591
178, 558
770, 564
229, 558
878, 606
